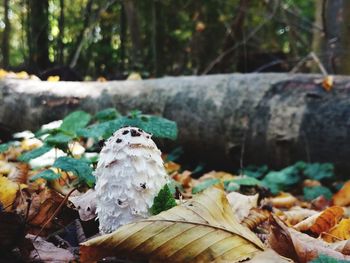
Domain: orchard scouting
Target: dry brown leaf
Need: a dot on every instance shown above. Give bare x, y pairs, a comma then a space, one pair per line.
31, 144
20, 174
203, 229
241, 204
43, 207
298, 246
306, 224
339, 232
171, 167
342, 197
283, 200
327, 219
270, 256
255, 217
297, 214
184, 178
223, 176
47, 252
342, 246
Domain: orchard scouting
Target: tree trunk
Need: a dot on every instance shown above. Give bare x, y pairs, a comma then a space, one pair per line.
5, 48
331, 43
39, 27
61, 35
134, 31
122, 38
278, 118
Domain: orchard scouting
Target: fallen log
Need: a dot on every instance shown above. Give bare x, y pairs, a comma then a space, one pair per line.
273, 119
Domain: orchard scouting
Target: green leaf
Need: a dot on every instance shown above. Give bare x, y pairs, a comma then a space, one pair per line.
26, 157
5, 146
319, 171
254, 171
59, 140
310, 193
232, 187
163, 201
48, 175
204, 185
74, 121
158, 126
327, 259
96, 131
175, 154
246, 181
79, 167
155, 125
107, 115
284, 179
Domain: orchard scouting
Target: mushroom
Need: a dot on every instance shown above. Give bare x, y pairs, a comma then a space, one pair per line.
129, 174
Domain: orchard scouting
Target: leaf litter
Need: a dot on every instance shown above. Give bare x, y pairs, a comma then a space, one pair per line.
198, 217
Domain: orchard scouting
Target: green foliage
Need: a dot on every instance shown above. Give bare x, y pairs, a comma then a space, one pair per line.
311, 193
75, 121
26, 157
204, 185
107, 115
327, 259
158, 126
231, 187
163, 201
246, 181
59, 140
5, 146
100, 130
47, 175
80, 167
74, 127
319, 171
292, 175
175, 154
284, 179
255, 171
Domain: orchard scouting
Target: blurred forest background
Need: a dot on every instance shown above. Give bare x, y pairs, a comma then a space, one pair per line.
87, 39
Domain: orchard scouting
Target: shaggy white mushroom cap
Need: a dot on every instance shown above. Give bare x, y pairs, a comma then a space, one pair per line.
129, 174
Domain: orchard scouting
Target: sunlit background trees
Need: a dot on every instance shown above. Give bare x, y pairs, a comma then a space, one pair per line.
111, 38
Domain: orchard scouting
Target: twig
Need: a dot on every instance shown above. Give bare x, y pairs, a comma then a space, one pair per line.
318, 62
55, 213
315, 58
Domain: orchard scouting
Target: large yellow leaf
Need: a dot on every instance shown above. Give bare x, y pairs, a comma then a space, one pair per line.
339, 232
200, 230
8, 192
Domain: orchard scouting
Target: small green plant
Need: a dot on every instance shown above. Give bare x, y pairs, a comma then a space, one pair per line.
79, 126
163, 201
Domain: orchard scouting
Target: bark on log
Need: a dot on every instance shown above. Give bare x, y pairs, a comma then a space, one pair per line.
277, 118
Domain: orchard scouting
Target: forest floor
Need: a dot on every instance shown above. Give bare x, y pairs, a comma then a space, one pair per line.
47, 213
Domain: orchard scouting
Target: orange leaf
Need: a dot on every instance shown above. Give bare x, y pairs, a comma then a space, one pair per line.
328, 82
328, 219
342, 198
